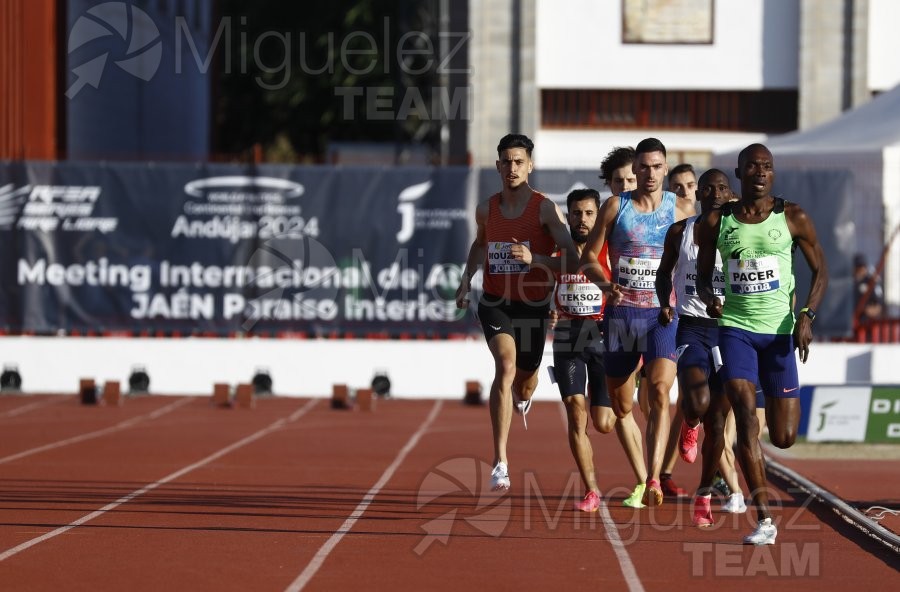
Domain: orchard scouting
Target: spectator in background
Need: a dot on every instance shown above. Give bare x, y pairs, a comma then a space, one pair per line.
862, 277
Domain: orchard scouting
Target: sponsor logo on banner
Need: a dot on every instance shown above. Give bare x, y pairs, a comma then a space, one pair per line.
839, 414
413, 218
884, 415
48, 208
240, 207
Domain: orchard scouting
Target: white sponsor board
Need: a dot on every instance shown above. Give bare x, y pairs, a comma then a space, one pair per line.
839, 414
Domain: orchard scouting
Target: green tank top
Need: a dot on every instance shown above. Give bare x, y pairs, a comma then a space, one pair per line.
757, 261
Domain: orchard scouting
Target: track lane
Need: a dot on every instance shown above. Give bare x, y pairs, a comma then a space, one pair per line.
437, 528
256, 516
57, 487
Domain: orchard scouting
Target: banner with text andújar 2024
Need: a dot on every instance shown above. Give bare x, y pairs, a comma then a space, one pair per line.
226, 248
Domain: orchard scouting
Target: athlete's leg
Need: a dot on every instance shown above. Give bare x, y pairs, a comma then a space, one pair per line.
627, 431
726, 462
579, 442
783, 418
661, 376
642, 396
603, 418
690, 407
531, 336
693, 394
503, 350
761, 416
781, 384
629, 435
524, 383
671, 454
742, 395
715, 441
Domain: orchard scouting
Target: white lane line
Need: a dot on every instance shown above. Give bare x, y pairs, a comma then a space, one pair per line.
326, 549
612, 531
171, 477
30, 406
96, 434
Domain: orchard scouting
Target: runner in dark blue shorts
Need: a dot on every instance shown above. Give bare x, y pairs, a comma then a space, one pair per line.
635, 223
756, 237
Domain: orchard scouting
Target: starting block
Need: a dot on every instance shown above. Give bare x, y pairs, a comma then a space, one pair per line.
340, 396
87, 390
244, 396
473, 393
364, 399
112, 394
221, 395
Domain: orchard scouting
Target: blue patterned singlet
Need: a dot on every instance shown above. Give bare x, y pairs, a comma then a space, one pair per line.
636, 247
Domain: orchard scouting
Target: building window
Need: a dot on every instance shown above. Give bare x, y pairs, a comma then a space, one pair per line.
769, 111
667, 21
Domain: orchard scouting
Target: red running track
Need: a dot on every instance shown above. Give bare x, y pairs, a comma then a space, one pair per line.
172, 493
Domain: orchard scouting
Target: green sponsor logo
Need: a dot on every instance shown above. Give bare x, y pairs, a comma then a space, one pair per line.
884, 415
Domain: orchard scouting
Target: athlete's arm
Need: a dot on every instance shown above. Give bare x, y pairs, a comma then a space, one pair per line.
552, 219
671, 247
804, 233
590, 264
476, 254
707, 235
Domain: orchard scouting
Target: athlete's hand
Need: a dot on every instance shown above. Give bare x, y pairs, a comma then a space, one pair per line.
803, 336
614, 295
465, 284
666, 315
520, 252
554, 318
714, 308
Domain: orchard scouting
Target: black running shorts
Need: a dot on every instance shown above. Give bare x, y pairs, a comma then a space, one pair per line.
525, 323
578, 359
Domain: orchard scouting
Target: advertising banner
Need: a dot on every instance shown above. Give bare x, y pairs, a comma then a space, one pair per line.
838, 414
884, 415
862, 413
226, 249
222, 249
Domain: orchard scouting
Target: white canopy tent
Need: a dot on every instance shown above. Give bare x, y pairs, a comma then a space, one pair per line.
863, 143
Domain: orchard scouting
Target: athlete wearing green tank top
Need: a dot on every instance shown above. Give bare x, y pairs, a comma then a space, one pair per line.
756, 237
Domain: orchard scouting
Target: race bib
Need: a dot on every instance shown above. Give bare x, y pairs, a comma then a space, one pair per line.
500, 259
690, 282
638, 274
579, 297
753, 276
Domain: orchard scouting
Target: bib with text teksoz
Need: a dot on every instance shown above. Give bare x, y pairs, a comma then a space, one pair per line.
577, 296
500, 259
638, 274
753, 276
690, 282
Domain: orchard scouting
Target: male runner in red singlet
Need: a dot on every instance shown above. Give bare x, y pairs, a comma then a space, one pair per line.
518, 230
